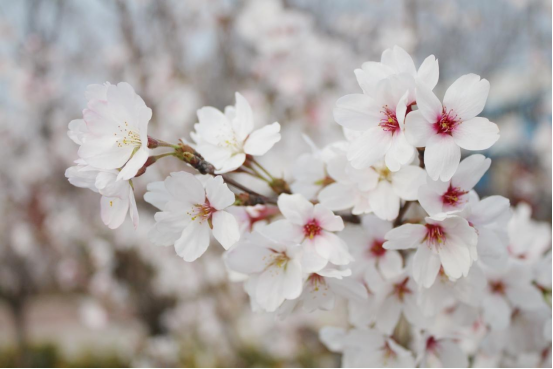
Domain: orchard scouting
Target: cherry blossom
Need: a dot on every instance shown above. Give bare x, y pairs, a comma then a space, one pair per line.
444, 129
190, 210
442, 198
450, 243
274, 268
440, 352
225, 139
116, 135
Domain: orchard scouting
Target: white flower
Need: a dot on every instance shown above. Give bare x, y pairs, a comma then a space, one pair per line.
528, 239
117, 196
116, 129
366, 348
490, 217
365, 244
225, 139
440, 199
188, 213
321, 288
450, 243
274, 268
312, 226
375, 189
394, 296
393, 62
381, 119
440, 352
444, 129
508, 288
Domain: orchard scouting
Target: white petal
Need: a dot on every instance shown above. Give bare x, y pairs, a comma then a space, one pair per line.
417, 129
390, 264
369, 148
134, 164
476, 134
243, 122
441, 157
193, 241
407, 180
326, 218
157, 194
470, 170
455, 259
114, 210
383, 201
428, 104
400, 152
358, 112
212, 125
526, 297
295, 208
467, 96
225, 229
407, 236
388, 315
279, 283
451, 355
133, 210
262, 140
185, 187
429, 72
218, 193
248, 258
426, 265
338, 250
497, 313
230, 164
431, 201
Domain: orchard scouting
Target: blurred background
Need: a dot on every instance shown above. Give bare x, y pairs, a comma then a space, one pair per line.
74, 293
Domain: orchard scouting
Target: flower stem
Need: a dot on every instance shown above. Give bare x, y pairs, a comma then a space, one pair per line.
262, 168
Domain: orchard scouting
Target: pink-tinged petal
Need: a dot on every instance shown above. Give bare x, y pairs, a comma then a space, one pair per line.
417, 129
248, 258
243, 122
114, 210
193, 241
262, 140
358, 112
295, 208
369, 148
426, 265
470, 171
133, 210
467, 96
401, 109
383, 201
225, 229
390, 264
429, 72
441, 157
496, 311
104, 153
284, 230
430, 200
476, 134
400, 152
407, 236
407, 180
134, 164
338, 250
185, 187
337, 196
326, 219
428, 104
218, 193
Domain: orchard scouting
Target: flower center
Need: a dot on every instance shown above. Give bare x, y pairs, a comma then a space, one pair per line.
401, 289
453, 195
431, 344
389, 121
317, 281
388, 352
497, 287
376, 248
435, 235
279, 259
201, 212
312, 229
446, 122
126, 136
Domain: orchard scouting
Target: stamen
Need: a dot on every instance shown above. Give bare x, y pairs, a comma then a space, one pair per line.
453, 195
312, 229
435, 235
447, 122
376, 249
389, 122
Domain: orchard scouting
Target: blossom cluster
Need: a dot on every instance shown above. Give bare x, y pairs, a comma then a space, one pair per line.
386, 219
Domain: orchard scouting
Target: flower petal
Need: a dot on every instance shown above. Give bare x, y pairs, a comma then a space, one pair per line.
476, 134
417, 129
407, 236
134, 164
369, 148
262, 140
470, 171
441, 157
467, 96
225, 229
358, 112
193, 241
295, 208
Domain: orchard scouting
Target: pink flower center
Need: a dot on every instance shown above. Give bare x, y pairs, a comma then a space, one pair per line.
376, 249
435, 235
453, 195
312, 229
497, 287
446, 122
202, 211
388, 352
316, 281
401, 289
389, 121
431, 344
